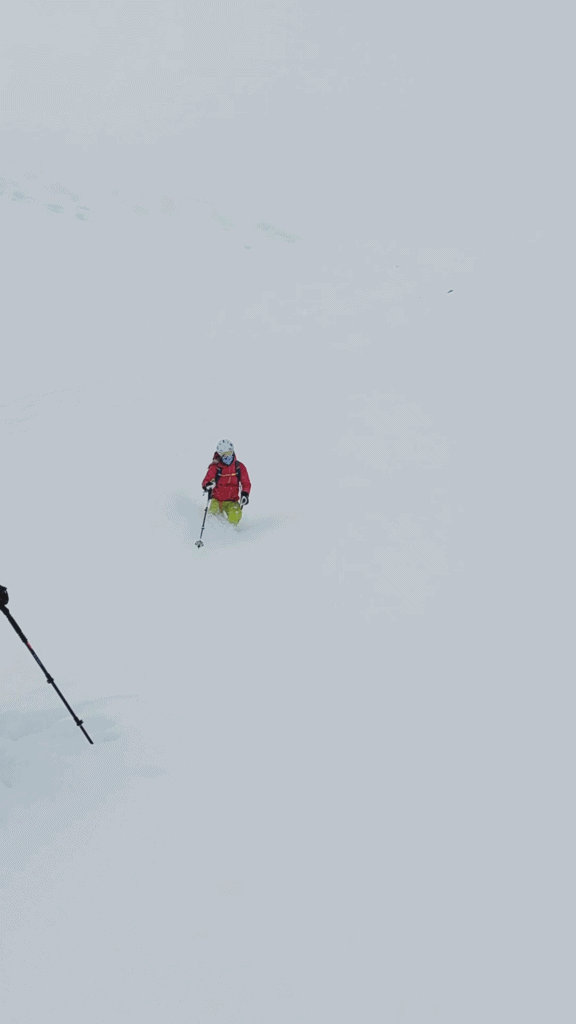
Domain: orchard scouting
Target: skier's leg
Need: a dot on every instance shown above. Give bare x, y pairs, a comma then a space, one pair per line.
215, 507
233, 511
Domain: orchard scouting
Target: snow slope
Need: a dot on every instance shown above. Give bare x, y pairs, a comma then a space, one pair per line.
331, 758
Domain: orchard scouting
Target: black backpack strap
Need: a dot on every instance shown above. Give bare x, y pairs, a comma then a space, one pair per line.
218, 474
238, 468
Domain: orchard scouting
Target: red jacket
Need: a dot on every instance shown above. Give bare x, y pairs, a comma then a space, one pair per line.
230, 480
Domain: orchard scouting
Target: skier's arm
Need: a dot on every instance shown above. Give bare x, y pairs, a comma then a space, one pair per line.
245, 484
210, 475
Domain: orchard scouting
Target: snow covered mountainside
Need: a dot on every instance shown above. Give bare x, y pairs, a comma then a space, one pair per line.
331, 763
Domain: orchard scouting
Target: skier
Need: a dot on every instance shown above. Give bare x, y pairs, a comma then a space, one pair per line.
226, 477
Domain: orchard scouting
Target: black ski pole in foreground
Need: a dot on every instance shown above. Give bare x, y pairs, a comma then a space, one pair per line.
14, 624
200, 543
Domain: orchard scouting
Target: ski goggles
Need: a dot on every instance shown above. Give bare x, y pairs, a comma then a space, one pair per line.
227, 458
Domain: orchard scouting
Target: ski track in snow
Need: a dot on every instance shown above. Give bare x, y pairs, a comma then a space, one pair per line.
32, 190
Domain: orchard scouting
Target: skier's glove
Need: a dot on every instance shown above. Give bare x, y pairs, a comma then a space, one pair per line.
243, 499
3, 597
209, 487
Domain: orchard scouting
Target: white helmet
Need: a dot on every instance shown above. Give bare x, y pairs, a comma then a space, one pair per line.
225, 447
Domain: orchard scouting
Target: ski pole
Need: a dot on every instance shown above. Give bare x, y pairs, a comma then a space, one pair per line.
200, 543
14, 624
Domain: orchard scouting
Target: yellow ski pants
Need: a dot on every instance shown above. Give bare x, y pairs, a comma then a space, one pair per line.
231, 509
